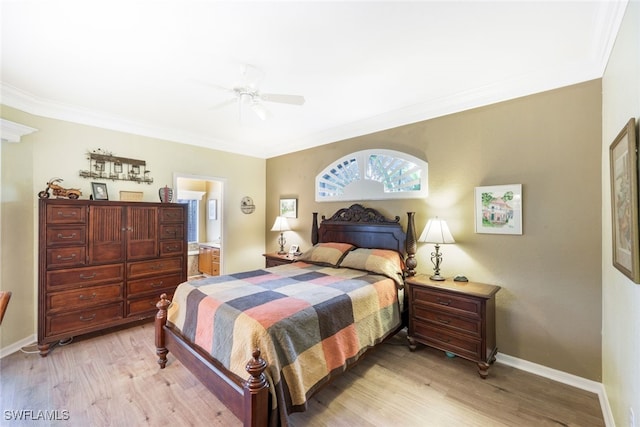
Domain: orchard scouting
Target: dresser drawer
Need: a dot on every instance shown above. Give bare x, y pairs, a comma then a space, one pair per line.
171, 232
85, 276
144, 306
66, 214
447, 301
171, 215
83, 298
175, 247
83, 320
152, 285
442, 338
66, 257
66, 236
471, 326
154, 267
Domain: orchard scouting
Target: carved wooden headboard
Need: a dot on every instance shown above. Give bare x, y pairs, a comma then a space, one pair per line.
368, 228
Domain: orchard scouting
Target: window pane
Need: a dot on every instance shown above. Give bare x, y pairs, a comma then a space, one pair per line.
192, 219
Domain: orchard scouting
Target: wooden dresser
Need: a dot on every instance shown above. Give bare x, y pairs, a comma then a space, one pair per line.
104, 263
457, 317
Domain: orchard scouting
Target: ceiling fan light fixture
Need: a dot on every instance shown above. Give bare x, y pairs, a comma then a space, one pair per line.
259, 110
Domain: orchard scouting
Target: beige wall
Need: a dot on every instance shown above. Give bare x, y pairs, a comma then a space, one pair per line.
58, 149
621, 297
549, 308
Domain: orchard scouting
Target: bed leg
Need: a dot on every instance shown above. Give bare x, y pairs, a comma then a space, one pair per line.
161, 321
256, 393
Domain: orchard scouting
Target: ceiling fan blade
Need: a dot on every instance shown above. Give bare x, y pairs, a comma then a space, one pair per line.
224, 104
283, 99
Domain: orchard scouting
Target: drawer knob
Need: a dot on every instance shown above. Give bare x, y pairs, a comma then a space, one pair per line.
64, 215
443, 302
156, 267
69, 258
85, 298
88, 319
444, 321
73, 236
82, 276
157, 285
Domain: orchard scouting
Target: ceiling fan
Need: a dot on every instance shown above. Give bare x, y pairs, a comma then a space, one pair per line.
247, 93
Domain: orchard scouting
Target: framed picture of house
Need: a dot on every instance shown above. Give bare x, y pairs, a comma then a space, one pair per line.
624, 201
289, 208
498, 209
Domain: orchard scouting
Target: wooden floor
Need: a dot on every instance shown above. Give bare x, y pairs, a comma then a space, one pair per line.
113, 380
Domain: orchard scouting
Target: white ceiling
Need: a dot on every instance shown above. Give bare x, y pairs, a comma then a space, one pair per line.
141, 66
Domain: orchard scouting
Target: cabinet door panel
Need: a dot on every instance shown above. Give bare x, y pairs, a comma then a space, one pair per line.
142, 232
106, 234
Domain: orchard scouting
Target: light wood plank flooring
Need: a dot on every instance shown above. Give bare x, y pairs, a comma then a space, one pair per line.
112, 379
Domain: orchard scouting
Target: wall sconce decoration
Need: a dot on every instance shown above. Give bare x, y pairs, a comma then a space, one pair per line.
436, 231
281, 224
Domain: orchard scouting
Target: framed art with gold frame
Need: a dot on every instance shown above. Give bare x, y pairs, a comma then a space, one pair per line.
624, 201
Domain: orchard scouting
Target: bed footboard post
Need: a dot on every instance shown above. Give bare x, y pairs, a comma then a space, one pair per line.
411, 245
256, 393
314, 229
161, 321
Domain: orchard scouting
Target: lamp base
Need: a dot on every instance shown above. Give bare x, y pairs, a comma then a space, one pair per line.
437, 278
282, 252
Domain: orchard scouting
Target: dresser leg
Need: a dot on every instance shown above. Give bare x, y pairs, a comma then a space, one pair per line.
44, 349
412, 343
483, 369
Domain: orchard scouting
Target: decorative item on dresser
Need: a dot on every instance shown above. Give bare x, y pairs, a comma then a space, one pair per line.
102, 263
456, 317
273, 259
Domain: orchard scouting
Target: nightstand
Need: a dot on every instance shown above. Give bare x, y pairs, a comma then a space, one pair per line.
274, 259
456, 317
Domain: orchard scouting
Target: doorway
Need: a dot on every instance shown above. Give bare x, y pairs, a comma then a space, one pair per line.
205, 196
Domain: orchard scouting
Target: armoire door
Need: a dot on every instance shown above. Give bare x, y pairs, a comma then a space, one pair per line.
106, 234
142, 232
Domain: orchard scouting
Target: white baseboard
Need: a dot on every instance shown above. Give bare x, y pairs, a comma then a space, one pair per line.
17, 346
565, 378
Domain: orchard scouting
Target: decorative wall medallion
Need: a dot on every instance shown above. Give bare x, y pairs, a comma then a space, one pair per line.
247, 206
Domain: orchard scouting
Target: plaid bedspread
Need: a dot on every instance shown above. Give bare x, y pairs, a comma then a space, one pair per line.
310, 322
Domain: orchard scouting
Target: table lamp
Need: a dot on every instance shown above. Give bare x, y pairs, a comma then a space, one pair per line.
436, 231
281, 225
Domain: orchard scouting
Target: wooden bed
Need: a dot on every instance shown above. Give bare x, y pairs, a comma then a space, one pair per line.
249, 399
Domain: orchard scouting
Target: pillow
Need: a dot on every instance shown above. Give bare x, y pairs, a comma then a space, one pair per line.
326, 253
376, 261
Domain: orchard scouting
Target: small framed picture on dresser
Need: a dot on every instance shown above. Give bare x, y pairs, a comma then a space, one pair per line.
99, 191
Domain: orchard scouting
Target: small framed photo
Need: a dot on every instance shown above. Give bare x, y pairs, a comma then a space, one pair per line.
293, 250
99, 191
498, 209
624, 202
213, 208
289, 208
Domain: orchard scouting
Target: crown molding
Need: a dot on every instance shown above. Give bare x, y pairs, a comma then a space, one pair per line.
13, 132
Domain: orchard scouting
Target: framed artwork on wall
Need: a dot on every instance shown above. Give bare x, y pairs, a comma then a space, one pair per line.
99, 191
289, 208
498, 209
624, 201
213, 208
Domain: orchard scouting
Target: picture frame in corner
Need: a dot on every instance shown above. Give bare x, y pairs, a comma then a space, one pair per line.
99, 191
624, 201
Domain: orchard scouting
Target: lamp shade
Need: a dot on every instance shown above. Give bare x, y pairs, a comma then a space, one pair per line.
281, 224
436, 231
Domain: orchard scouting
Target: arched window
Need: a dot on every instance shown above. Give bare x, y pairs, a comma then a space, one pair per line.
373, 175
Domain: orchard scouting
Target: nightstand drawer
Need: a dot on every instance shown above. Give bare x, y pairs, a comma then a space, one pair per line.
444, 319
443, 339
447, 301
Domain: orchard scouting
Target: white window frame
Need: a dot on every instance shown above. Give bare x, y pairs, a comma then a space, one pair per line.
348, 175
